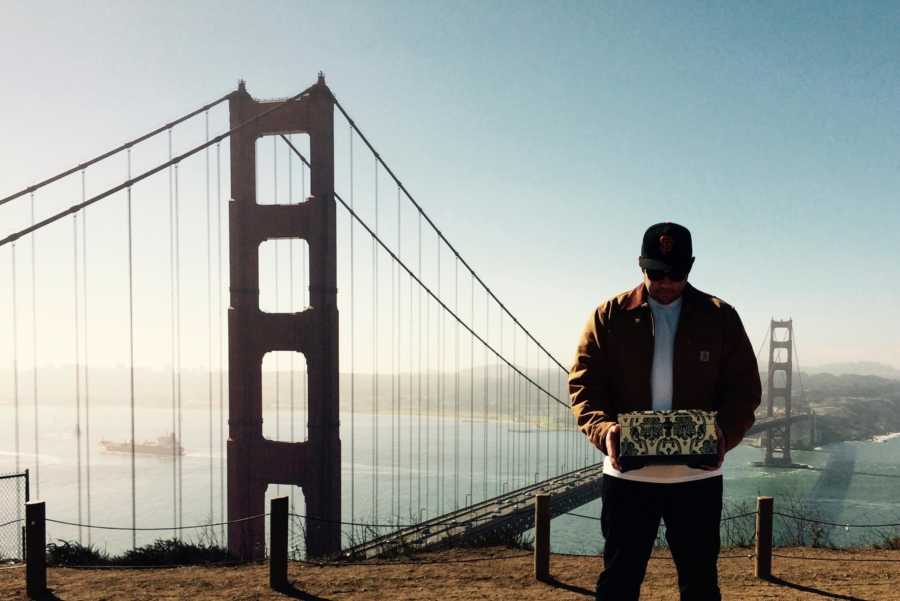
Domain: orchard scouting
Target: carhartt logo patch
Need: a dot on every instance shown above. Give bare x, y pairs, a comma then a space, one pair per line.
704, 356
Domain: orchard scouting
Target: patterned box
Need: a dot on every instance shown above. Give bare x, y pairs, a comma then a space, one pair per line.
686, 436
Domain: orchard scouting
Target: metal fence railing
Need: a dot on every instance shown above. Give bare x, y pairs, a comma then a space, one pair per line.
14, 493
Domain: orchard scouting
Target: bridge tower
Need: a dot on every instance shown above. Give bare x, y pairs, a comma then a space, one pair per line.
778, 440
254, 462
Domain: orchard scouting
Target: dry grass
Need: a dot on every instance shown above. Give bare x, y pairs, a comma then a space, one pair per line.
494, 574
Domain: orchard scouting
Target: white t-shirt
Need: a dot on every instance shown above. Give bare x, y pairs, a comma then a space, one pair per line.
665, 324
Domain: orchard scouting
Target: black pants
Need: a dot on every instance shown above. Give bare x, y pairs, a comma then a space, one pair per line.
630, 519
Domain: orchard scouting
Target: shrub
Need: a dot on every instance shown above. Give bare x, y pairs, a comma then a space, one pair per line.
65, 553
159, 552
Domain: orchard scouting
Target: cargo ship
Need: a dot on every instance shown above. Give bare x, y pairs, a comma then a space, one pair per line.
164, 446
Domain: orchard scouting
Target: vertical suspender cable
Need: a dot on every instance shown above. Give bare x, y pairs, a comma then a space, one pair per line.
471, 390
34, 354
410, 365
277, 354
500, 417
557, 420
486, 413
15, 348
87, 389
440, 389
456, 384
291, 309
510, 419
393, 390
178, 346
427, 382
209, 320
304, 295
352, 357
375, 351
220, 312
175, 441
131, 356
419, 385
77, 362
549, 430
514, 402
557, 431
396, 317
523, 395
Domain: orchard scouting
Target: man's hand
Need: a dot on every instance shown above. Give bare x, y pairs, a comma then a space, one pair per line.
612, 446
721, 436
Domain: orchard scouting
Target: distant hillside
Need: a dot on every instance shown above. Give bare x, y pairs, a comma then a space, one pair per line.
860, 368
849, 406
826, 385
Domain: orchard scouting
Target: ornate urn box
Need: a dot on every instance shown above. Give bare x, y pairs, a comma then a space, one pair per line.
685, 436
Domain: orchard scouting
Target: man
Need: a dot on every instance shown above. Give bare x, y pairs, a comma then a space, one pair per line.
662, 346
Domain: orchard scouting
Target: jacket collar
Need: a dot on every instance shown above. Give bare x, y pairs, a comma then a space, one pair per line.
637, 297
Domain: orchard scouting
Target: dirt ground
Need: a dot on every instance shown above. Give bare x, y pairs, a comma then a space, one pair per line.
496, 573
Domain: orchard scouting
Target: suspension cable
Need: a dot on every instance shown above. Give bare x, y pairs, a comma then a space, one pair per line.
438, 231
443, 305
81, 167
161, 167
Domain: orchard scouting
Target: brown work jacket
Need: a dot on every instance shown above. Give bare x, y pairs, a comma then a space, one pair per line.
714, 367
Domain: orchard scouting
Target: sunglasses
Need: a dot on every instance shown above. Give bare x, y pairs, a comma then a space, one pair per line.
675, 275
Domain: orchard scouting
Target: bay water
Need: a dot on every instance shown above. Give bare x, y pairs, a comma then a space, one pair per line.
396, 470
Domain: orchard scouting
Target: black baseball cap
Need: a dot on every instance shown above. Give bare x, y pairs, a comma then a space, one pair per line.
667, 246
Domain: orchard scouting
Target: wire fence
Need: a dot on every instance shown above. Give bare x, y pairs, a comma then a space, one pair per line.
297, 535
13, 496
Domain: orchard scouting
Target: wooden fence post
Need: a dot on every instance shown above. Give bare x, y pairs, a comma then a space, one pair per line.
542, 536
278, 543
35, 549
764, 509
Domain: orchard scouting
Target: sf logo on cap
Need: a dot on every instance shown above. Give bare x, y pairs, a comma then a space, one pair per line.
665, 244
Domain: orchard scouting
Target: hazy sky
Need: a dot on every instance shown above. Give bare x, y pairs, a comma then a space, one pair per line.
542, 139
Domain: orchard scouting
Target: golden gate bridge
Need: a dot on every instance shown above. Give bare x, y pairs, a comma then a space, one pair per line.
365, 364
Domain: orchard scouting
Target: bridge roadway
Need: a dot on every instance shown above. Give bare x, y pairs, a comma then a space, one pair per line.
493, 520
767, 423
503, 517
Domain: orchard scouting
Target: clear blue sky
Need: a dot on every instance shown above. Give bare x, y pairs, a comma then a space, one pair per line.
542, 138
